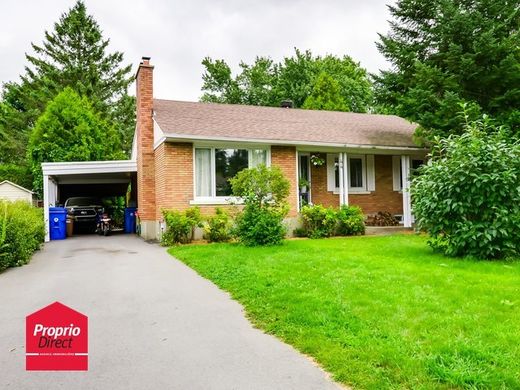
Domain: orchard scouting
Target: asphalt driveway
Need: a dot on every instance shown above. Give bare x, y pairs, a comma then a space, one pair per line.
153, 323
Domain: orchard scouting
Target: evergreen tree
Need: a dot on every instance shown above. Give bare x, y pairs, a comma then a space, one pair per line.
71, 130
14, 128
449, 53
74, 54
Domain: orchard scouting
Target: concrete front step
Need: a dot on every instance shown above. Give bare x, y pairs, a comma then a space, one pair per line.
386, 230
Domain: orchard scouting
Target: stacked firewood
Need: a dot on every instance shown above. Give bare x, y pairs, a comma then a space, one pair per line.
382, 218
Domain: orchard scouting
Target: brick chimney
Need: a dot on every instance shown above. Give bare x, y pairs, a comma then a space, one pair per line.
145, 151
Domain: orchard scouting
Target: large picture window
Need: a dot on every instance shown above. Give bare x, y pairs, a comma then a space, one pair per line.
215, 166
228, 162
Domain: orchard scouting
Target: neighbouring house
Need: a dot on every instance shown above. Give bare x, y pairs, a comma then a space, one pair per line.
13, 192
184, 153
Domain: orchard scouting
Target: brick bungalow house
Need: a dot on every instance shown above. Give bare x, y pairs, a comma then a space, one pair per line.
185, 152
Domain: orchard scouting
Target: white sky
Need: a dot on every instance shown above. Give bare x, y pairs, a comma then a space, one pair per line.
179, 34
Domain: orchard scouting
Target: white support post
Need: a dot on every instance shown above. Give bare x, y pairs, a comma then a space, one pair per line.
345, 178
297, 179
50, 195
407, 203
341, 177
46, 207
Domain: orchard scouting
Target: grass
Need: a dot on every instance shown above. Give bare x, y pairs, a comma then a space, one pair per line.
378, 312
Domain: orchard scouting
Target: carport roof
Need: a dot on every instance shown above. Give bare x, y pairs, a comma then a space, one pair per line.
88, 167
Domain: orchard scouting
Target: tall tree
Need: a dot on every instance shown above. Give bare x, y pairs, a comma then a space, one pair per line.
14, 128
446, 53
295, 77
71, 130
74, 54
325, 95
267, 83
218, 83
256, 82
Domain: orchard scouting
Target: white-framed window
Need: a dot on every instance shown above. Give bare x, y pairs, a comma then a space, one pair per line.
214, 166
360, 173
415, 163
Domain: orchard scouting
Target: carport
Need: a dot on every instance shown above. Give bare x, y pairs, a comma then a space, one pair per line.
62, 180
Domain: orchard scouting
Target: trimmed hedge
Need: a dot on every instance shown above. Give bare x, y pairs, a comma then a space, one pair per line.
320, 221
21, 232
180, 226
217, 228
260, 226
351, 221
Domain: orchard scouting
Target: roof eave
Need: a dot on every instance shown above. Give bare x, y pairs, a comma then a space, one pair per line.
86, 167
172, 137
17, 186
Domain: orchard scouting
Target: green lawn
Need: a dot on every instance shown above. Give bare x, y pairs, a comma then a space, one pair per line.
378, 312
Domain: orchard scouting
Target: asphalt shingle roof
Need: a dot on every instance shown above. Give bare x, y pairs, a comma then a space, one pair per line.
231, 121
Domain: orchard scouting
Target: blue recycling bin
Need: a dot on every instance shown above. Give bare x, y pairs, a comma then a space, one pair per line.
57, 223
130, 219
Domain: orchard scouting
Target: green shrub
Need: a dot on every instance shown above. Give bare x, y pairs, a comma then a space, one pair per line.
261, 186
319, 221
22, 231
180, 225
467, 197
218, 227
17, 173
260, 226
264, 191
3, 231
351, 221
115, 206
300, 232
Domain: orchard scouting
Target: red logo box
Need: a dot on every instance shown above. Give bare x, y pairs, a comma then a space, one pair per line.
56, 339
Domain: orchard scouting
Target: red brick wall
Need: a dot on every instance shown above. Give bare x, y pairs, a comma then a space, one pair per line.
145, 153
174, 182
319, 193
285, 158
174, 179
173, 176
384, 198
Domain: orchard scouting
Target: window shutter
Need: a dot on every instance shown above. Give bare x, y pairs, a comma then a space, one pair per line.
396, 169
371, 173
